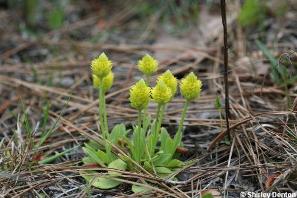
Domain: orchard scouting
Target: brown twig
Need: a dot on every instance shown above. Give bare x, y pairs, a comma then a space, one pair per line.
223, 14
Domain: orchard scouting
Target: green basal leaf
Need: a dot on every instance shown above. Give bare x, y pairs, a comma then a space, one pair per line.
117, 164
207, 195
139, 189
88, 160
147, 166
168, 145
105, 183
164, 136
149, 144
95, 145
103, 156
93, 155
133, 146
146, 122
152, 137
162, 159
175, 163
163, 170
119, 131
138, 146
102, 182
177, 141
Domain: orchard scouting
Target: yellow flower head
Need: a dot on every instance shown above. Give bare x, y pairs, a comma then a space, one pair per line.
161, 93
107, 81
101, 66
148, 65
190, 87
170, 81
140, 95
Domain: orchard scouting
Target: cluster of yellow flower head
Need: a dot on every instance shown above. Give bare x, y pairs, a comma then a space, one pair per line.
101, 72
166, 86
148, 65
141, 93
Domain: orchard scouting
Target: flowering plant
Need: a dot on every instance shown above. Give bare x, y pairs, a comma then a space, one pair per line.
147, 145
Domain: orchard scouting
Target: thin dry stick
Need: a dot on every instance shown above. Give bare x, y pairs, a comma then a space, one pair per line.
223, 14
229, 162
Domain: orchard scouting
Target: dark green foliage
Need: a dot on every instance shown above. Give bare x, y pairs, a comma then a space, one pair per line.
207, 195
279, 73
218, 104
31, 11
251, 13
35, 12
55, 18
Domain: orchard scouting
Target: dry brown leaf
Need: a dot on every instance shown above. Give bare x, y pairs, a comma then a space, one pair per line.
270, 180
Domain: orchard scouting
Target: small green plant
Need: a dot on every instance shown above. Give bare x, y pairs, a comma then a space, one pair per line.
55, 18
24, 150
147, 146
280, 75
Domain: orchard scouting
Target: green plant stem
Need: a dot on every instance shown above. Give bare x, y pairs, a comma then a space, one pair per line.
138, 136
105, 116
147, 80
178, 136
139, 122
144, 115
150, 158
103, 119
101, 110
159, 118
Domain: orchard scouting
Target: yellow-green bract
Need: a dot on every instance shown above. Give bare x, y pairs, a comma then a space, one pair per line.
170, 81
161, 93
190, 87
101, 66
147, 65
139, 95
107, 81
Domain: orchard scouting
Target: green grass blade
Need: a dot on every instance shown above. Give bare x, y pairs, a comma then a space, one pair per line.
57, 155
